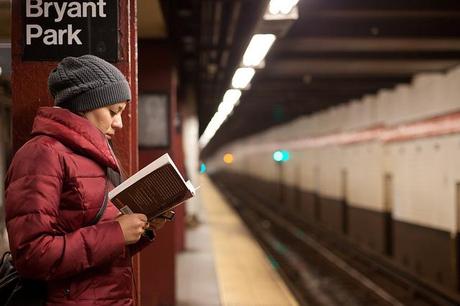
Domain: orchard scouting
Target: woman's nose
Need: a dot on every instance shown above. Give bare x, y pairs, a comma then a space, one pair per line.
117, 122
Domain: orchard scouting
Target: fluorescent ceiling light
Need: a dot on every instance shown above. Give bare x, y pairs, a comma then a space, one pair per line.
203, 141
218, 119
225, 108
255, 53
283, 7
206, 137
232, 96
216, 122
257, 49
212, 128
230, 99
242, 77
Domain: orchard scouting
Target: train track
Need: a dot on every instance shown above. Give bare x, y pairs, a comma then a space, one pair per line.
321, 270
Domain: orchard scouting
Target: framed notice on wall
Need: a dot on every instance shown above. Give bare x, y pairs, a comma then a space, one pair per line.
153, 116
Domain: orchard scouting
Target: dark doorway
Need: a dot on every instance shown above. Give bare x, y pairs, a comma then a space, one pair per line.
388, 195
344, 179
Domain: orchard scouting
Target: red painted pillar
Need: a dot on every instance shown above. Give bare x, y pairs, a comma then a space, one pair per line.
157, 75
30, 91
179, 156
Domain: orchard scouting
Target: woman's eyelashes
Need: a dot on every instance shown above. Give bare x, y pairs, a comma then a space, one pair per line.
116, 111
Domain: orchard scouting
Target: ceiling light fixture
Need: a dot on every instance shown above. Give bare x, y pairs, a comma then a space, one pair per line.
254, 55
282, 7
225, 108
232, 96
257, 49
242, 77
230, 100
212, 128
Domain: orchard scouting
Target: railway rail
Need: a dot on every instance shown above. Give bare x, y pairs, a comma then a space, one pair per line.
321, 269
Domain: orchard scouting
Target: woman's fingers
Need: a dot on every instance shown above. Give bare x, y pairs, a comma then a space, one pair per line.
141, 217
157, 223
132, 226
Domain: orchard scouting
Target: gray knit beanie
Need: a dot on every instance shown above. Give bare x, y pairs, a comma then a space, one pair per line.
87, 82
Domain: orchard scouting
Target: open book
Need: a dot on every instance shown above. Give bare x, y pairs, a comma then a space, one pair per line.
155, 189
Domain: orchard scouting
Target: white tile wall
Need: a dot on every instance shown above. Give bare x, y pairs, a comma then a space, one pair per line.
425, 172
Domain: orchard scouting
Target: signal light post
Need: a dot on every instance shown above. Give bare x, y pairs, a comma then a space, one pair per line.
280, 157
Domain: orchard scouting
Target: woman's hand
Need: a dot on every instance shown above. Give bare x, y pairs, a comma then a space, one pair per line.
133, 226
157, 223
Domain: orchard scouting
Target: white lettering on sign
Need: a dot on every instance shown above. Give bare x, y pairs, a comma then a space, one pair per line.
61, 9
52, 36
38, 31
30, 7
74, 9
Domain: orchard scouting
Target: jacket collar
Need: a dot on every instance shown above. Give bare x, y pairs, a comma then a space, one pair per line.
75, 132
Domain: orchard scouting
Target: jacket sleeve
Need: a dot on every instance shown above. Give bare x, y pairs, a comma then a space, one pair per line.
33, 192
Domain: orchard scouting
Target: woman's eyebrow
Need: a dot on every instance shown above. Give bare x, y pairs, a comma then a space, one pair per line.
118, 109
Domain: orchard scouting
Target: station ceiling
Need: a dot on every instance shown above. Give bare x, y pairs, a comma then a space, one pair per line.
334, 52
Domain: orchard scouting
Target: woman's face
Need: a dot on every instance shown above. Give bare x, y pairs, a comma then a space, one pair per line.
107, 119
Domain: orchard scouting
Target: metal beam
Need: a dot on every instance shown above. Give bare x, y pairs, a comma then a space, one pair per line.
374, 27
318, 83
366, 44
383, 13
338, 66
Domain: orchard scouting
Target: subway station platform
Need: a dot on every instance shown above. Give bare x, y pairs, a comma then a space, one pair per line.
223, 264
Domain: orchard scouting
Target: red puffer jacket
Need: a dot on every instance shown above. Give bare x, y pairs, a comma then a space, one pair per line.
54, 188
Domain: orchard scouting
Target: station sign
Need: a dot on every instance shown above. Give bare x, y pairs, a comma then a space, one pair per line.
56, 29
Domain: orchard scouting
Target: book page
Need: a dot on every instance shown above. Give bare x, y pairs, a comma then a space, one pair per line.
155, 193
161, 161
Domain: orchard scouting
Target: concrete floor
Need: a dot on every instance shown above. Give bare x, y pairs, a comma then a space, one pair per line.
196, 282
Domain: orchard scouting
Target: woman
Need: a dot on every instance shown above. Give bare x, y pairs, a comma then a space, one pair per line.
57, 182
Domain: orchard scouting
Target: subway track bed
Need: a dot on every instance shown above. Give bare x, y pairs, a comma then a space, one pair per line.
319, 268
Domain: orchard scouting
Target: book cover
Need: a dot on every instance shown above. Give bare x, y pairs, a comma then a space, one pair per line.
155, 189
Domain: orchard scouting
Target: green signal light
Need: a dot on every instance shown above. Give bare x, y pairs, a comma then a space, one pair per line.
202, 168
281, 156
277, 156
285, 155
